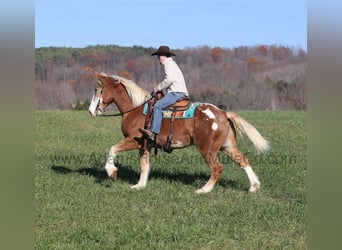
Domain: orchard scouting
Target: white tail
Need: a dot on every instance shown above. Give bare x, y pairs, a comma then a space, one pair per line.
247, 130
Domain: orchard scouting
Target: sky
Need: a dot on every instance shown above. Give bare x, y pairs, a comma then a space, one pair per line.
178, 24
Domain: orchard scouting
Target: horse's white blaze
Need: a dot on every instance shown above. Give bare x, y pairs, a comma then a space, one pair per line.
209, 113
214, 126
253, 179
93, 105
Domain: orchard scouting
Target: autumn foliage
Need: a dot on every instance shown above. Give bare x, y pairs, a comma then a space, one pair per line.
257, 77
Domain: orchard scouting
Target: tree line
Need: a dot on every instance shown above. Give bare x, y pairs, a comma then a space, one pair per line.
262, 77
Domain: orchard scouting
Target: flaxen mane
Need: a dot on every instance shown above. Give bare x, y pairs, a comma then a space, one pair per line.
136, 93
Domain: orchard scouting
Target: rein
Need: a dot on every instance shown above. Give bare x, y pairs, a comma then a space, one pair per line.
132, 109
148, 99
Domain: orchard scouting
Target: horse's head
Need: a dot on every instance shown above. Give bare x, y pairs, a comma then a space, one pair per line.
103, 94
115, 89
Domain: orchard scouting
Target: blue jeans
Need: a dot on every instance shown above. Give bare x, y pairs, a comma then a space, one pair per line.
167, 100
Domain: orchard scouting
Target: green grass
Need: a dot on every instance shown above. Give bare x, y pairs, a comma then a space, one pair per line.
77, 207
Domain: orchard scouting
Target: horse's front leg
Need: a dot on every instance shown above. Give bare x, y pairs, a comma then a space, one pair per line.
124, 145
145, 169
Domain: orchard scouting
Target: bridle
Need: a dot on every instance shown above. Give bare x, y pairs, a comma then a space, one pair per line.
97, 100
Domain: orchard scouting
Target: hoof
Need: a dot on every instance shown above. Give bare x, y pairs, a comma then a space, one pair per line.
137, 187
200, 191
254, 188
114, 176
203, 190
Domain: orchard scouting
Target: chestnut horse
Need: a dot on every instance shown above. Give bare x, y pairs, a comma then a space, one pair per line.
210, 130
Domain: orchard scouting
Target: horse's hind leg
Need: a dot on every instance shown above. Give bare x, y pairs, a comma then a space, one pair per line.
232, 151
215, 170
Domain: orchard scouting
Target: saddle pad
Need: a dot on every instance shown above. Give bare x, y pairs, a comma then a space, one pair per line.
188, 113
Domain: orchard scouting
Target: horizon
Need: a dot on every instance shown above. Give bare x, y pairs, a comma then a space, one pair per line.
185, 48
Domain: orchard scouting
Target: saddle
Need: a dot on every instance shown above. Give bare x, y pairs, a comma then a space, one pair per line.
180, 105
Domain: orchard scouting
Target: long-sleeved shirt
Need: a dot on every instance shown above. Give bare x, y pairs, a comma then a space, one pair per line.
174, 79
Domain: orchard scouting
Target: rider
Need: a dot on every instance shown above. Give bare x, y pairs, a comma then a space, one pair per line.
174, 84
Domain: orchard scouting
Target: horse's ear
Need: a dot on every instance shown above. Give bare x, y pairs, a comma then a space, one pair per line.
99, 75
100, 78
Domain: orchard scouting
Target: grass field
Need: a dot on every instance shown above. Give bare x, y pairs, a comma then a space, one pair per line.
77, 207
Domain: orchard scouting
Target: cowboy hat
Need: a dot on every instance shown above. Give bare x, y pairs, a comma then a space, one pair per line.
163, 51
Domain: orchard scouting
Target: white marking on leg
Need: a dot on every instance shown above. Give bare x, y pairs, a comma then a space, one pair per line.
142, 181
204, 190
209, 113
110, 167
178, 144
112, 151
214, 126
253, 179
145, 170
226, 144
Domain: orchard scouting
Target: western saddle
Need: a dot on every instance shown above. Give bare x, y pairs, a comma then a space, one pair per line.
181, 105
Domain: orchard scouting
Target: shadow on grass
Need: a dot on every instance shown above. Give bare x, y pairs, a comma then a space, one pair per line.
192, 179
131, 176
100, 175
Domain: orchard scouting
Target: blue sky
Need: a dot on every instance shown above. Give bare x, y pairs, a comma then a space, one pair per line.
179, 24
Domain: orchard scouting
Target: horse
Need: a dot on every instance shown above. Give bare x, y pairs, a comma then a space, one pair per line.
211, 129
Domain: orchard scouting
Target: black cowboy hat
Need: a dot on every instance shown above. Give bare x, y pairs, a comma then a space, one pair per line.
163, 51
